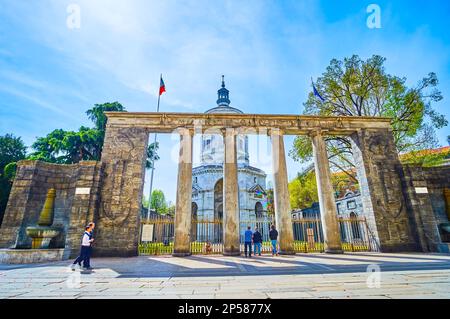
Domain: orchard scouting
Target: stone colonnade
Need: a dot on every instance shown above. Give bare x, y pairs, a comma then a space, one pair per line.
124, 165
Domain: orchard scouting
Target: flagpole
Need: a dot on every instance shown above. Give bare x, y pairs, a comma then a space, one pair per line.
153, 162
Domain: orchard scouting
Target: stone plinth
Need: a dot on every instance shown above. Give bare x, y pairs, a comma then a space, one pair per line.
30, 256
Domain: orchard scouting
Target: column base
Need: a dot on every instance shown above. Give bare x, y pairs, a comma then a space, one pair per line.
334, 251
231, 253
286, 252
181, 254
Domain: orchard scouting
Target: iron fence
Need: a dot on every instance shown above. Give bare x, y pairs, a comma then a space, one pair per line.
157, 235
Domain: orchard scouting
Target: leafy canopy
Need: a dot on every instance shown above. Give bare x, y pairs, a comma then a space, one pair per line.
356, 87
12, 149
68, 147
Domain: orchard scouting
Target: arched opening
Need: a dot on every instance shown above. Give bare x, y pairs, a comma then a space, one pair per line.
194, 221
260, 218
218, 211
258, 210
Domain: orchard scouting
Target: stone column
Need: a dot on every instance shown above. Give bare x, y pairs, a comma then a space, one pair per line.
183, 208
281, 194
231, 244
328, 210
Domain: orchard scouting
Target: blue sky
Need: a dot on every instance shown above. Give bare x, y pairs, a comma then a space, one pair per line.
268, 50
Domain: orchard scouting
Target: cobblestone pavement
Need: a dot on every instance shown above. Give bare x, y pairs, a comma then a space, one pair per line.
300, 276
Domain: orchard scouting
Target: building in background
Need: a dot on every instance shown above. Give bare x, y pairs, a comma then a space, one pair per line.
207, 183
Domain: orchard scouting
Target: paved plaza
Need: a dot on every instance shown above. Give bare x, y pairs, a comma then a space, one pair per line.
299, 276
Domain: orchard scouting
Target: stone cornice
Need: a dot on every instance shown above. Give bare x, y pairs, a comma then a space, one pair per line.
246, 123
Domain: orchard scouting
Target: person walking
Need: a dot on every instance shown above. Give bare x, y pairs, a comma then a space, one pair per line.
273, 235
248, 242
89, 252
257, 241
85, 252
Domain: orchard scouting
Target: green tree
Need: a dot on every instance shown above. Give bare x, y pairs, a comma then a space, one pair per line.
158, 202
9, 172
12, 149
303, 191
69, 147
354, 87
97, 113
152, 155
270, 203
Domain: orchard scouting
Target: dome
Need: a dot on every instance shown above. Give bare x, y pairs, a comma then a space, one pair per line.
223, 101
212, 144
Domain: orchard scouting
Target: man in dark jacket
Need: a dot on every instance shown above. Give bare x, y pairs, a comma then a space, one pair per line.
273, 235
257, 241
248, 242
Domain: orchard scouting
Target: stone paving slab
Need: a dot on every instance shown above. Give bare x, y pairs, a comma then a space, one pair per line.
299, 276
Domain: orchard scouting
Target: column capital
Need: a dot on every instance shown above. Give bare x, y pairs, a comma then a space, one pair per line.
228, 131
316, 132
185, 131
275, 131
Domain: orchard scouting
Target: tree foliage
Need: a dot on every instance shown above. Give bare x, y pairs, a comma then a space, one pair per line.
69, 147
303, 189
97, 113
152, 155
12, 149
158, 202
356, 87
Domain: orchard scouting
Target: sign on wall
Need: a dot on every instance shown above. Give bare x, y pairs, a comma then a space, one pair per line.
421, 190
82, 191
147, 232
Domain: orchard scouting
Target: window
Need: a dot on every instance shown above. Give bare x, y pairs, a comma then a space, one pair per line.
351, 204
339, 207
254, 180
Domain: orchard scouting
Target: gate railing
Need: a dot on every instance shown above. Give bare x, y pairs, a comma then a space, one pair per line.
207, 235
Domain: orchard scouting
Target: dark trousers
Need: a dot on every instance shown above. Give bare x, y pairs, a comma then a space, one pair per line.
85, 257
248, 244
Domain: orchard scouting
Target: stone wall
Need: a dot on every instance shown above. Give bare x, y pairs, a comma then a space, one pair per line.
424, 188
379, 173
72, 211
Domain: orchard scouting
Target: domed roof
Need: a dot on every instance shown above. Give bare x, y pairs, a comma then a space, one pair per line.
224, 109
